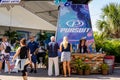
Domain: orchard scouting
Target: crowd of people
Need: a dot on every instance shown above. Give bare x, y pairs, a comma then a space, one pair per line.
29, 54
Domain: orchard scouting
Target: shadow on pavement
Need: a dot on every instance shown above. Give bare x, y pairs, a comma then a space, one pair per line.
43, 73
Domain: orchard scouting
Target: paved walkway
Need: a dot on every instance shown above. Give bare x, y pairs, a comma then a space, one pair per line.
42, 75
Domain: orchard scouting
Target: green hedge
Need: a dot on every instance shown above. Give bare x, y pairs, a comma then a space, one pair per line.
111, 47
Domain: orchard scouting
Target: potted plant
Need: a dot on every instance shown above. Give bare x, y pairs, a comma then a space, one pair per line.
104, 68
86, 69
79, 66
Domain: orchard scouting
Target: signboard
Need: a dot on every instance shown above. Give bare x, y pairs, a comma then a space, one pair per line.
74, 22
10, 1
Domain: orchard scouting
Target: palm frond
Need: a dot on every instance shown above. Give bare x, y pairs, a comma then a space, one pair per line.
110, 22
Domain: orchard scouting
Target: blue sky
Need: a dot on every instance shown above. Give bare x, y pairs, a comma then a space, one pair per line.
95, 9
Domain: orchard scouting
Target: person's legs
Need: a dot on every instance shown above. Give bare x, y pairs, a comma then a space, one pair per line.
31, 66
24, 72
64, 68
38, 60
50, 66
24, 77
43, 58
35, 67
34, 60
68, 67
8, 64
68, 59
0, 66
56, 66
1, 62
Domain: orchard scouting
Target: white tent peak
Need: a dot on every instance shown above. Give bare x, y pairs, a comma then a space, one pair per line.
22, 18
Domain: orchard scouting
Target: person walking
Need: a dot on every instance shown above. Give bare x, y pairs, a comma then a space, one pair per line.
5, 52
33, 46
66, 49
53, 57
23, 54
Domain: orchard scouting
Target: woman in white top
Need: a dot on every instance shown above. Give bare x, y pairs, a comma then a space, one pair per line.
6, 55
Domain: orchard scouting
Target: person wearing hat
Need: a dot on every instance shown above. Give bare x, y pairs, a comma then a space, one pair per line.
82, 46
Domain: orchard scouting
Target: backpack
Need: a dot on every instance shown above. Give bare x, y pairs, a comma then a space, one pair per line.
7, 49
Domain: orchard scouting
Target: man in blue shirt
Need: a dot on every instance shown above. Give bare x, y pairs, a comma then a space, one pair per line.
33, 46
53, 57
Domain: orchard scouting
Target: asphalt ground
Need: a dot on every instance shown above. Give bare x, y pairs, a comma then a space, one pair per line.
42, 75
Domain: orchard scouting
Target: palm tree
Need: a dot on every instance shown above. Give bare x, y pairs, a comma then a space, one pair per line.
104, 27
110, 23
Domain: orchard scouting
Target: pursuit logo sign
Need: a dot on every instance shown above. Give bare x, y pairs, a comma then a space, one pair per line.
74, 23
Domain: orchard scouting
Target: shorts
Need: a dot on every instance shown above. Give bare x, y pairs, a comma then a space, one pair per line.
19, 64
7, 57
65, 56
34, 58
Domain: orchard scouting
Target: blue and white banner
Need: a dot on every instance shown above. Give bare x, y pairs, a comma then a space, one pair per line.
10, 1
75, 23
